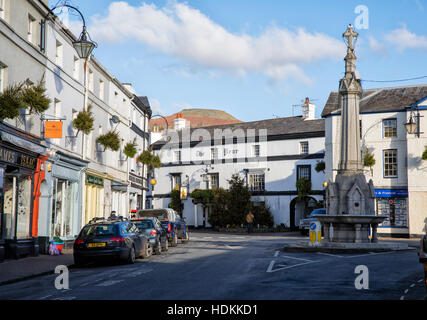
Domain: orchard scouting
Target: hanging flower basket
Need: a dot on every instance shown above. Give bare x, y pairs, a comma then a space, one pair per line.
110, 140
130, 149
84, 121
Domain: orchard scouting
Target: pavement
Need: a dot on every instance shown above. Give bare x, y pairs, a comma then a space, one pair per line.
26, 268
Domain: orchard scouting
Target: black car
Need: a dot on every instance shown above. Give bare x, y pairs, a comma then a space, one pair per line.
153, 229
117, 239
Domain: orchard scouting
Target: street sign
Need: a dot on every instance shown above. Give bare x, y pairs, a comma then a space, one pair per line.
53, 129
315, 233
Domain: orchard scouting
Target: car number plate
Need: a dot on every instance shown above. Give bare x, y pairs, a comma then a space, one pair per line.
96, 245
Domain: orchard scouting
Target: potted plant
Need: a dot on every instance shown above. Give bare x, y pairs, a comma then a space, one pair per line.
11, 102
35, 98
110, 140
84, 121
130, 149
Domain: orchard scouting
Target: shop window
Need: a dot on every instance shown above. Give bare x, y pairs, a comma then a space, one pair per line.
16, 207
395, 211
62, 208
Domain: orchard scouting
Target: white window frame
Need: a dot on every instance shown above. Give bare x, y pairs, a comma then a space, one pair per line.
177, 156
3, 69
30, 31
256, 150
2, 9
214, 154
390, 176
256, 181
76, 68
59, 54
101, 89
304, 147
91, 80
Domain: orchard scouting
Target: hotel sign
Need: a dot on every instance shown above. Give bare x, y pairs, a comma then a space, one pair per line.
17, 158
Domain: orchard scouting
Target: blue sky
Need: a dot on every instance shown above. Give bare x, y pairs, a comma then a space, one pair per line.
254, 59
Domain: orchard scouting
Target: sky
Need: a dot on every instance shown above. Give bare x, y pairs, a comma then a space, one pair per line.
255, 59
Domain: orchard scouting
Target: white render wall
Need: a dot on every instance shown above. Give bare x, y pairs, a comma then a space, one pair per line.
280, 176
412, 170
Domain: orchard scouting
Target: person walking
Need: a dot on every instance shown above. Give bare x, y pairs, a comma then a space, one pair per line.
250, 220
112, 216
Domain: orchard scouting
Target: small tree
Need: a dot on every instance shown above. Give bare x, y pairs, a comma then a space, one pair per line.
176, 203
238, 201
219, 216
84, 121
263, 216
110, 140
369, 161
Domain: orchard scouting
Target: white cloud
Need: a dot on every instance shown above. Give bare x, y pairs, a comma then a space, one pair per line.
185, 32
378, 47
403, 39
155, 106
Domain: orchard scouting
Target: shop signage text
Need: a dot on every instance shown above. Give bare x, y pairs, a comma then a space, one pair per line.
391, 193
96, 181
18, 159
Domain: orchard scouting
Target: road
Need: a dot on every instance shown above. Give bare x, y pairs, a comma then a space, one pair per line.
236, 267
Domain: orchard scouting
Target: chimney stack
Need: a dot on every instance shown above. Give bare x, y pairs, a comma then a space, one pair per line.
308, 110
179, 122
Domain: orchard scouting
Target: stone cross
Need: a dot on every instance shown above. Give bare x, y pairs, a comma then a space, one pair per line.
350, 35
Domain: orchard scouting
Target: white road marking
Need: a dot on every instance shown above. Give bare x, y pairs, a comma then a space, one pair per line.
402, 297
45, 297
270, 267
412, 285
406, 291
421, 280
370, 254
329, 254
276, 254
108, 283
297, 258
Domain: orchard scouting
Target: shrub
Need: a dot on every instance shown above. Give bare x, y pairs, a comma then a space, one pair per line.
35, 98
320, 166
176, 203
424, 156
11, 102
263, 216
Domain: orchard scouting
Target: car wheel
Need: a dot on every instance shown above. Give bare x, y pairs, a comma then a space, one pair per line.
158, 249
166, 247
187, 236
174, 241
131, 257
148, 250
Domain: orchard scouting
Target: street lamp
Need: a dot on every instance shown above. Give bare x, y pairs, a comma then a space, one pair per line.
411, 125
84, 44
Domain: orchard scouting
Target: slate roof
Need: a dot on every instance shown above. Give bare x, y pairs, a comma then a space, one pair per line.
381, 99
143, 104
275, 127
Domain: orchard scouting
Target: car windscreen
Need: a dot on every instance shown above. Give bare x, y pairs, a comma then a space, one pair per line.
99, 230
144, 224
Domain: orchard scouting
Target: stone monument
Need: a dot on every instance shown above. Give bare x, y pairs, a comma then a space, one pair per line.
350, 200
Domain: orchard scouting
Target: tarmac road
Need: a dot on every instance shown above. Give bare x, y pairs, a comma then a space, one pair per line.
236, 267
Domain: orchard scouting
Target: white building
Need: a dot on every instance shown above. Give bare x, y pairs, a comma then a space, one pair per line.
270, 154
399, 174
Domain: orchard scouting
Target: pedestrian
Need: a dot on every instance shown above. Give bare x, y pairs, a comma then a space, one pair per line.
112, 215
250, 220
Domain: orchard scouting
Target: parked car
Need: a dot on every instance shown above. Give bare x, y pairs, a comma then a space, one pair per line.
153, 229
115, 239
175, 226
304, 224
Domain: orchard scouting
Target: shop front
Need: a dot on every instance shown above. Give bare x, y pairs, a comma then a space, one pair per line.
94, 196
19, 164
393, 204
61, 199
137, 192
119, 198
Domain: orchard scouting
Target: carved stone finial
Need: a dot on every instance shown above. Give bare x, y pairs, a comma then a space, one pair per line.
350, 35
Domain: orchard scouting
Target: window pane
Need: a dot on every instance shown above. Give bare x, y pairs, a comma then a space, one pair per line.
24, 207
390, 163
390, 128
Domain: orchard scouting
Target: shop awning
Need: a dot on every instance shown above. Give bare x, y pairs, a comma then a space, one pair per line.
25, 144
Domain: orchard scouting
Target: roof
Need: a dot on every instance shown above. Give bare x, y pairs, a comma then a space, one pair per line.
142, 103
381, 99
274, 127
